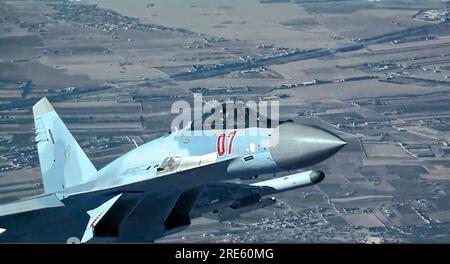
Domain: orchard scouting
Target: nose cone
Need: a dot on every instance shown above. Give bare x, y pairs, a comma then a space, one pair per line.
316, 176
302, 145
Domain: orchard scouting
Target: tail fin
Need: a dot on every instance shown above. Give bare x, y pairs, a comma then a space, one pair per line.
63, 162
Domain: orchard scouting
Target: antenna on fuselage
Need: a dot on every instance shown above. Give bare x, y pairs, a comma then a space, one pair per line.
134, 142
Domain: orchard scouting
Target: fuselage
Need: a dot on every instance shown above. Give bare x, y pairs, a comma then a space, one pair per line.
254, 151
215, 145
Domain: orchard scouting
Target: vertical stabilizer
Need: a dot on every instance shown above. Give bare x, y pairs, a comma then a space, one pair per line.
63, 162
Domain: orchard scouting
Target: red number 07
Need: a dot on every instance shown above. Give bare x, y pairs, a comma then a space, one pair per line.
221, 142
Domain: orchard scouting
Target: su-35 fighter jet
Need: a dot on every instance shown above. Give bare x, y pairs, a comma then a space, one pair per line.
156, 188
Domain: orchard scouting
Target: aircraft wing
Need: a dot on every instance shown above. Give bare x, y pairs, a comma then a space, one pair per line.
141, 211
166, 203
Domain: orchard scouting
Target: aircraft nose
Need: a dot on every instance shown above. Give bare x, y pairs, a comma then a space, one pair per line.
303, 145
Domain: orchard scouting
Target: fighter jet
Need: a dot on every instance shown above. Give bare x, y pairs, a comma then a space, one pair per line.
156, 188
